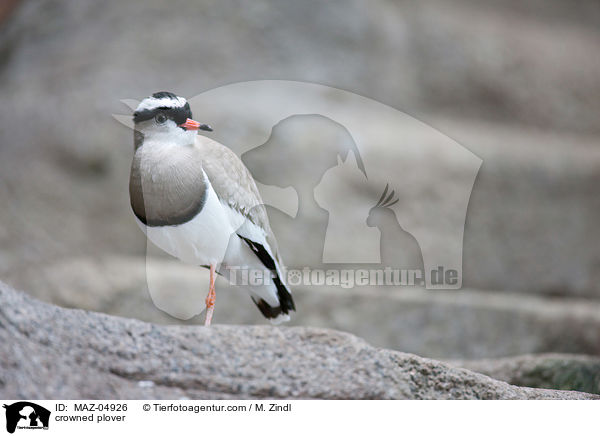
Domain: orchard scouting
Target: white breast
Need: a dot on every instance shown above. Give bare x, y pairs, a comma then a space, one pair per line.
200, 241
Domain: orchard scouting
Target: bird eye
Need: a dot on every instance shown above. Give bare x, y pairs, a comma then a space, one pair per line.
160, 118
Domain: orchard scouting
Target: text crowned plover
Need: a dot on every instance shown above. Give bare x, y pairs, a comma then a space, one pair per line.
195, 199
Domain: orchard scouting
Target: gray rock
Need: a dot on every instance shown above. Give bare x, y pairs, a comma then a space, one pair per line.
530, 223
51, 352
550, 371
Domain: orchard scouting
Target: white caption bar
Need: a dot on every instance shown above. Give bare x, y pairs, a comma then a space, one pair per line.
248, 417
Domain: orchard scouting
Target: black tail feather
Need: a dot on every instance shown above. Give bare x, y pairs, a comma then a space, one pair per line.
286, 301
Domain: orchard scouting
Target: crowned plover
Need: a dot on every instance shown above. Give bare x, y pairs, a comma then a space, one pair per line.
195, 199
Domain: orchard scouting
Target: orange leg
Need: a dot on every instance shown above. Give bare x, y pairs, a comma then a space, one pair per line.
210, 298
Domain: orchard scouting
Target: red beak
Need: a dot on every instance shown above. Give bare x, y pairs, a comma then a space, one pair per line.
195, 125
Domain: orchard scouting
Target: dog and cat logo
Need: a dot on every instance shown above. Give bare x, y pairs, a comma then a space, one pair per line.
322, 157
26, 415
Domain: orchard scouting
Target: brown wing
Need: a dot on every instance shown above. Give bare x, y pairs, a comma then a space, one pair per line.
234, 184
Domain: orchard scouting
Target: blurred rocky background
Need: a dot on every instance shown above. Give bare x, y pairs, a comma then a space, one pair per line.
517, 83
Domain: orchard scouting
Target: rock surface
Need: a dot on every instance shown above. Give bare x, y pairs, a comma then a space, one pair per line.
50, 352
550, 371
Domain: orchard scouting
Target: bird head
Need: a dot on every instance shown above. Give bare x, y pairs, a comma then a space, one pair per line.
166, 116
